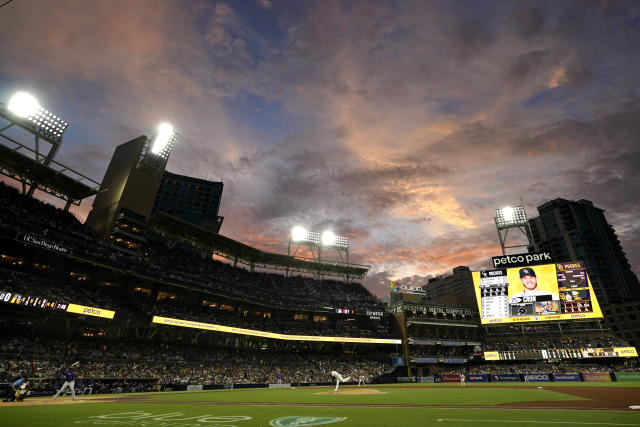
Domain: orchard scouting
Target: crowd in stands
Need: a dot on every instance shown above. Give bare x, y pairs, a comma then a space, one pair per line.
20, 213
178, 364
56, 287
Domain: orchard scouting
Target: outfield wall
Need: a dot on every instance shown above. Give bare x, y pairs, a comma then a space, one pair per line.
533, 377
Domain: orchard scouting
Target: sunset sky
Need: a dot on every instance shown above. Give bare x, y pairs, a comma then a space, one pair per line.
399, 124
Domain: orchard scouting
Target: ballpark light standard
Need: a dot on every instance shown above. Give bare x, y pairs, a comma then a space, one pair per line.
513, 218
155, 152
33, 167
24, 110
301, 237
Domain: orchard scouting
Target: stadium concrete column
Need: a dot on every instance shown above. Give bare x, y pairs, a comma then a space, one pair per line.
399, 323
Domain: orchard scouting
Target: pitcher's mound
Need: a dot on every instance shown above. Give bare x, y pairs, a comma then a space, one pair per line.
354, 391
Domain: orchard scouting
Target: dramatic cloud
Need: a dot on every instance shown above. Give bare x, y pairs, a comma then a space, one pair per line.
402, 125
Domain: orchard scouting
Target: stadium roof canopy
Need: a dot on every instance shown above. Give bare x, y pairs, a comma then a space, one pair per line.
53, 179
180, 230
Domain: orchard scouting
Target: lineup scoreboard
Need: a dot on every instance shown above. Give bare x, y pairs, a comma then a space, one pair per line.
562, 353
560, 291
31, 301
47, 304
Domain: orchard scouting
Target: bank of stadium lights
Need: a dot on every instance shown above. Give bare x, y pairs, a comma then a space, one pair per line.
510, 217
164, 140
331, 240
328, 239
514, 218
301, 235
27, 112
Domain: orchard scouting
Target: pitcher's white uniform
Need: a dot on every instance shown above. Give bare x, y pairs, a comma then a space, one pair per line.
339, 379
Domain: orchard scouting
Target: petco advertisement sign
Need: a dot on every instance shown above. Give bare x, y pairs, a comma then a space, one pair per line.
566, 377
536, 377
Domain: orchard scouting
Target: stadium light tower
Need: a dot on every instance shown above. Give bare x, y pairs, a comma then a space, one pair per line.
24, 110
156, 150
513, 218
316, 243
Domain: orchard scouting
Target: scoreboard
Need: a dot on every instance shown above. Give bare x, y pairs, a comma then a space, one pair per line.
18, 299
547, 292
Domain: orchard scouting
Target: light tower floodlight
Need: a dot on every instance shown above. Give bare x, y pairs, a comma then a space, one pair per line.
328, 238
24, 110
509, 218
164, 140
298, 233
331, 240
156, 150
23, 105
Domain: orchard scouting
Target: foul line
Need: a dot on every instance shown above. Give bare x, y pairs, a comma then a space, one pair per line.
534, 422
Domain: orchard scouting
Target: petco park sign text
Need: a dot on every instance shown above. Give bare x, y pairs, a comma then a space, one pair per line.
521, 259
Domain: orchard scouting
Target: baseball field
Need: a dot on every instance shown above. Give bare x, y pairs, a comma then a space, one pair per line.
552, 404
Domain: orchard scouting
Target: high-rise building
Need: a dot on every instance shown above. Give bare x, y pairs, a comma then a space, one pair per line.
191, 199
579, 231
441, 289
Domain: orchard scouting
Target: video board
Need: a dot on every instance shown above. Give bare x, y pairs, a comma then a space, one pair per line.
43, 303
560, 291
31, 301
562, 353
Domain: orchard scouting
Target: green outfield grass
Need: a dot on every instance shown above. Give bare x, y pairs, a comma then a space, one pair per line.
263, 407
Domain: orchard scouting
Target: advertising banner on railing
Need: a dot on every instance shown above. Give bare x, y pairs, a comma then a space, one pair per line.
399, 361
596, 376
450, 378
454, 360
90, 311
42, 243
424, 360
627, 376
428, 379
536, 378
566, 377
626, 351
491, 355
477, 378
506, 377
424, 342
